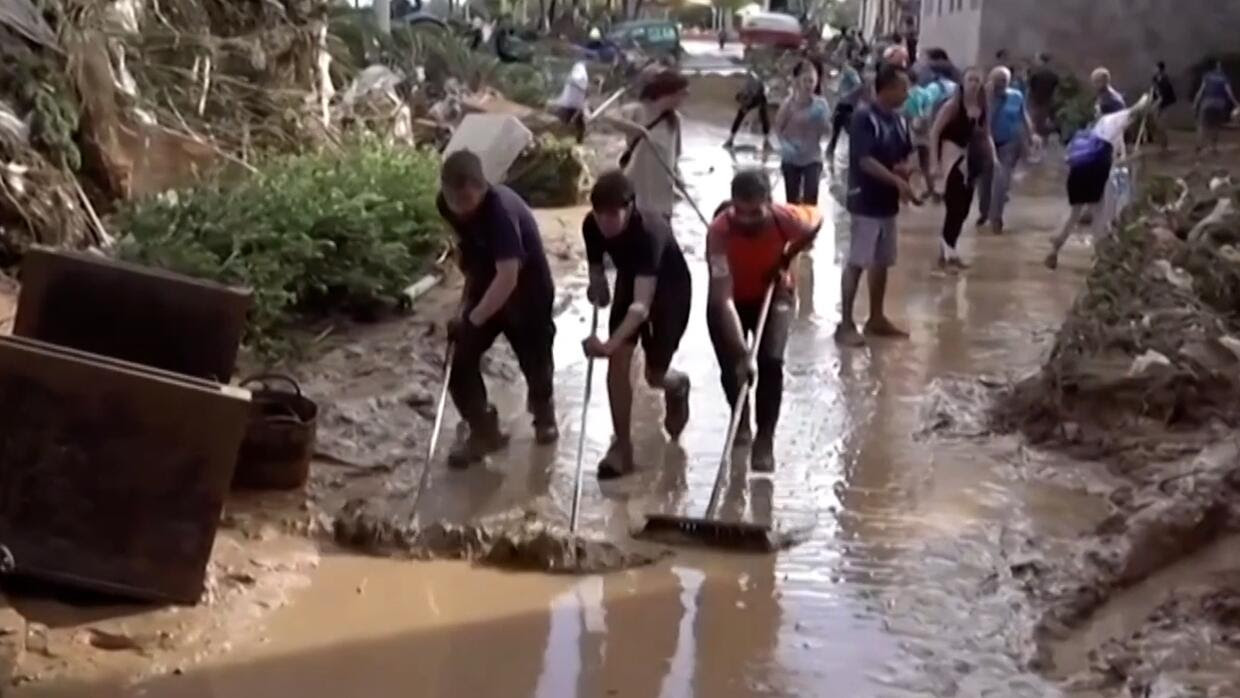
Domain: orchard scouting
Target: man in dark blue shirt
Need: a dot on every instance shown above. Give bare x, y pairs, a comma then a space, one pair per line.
508, 290
878, 172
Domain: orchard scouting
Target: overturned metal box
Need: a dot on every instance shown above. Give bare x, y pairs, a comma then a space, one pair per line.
112, 475
147, 316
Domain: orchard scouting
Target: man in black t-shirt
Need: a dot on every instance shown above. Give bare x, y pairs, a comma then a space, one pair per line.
1043, 81
508, 290
653, 292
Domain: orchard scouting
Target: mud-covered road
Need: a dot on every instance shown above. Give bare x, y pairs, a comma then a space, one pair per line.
905, 587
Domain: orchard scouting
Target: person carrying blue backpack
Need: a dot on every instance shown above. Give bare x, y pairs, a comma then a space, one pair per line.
1090, 154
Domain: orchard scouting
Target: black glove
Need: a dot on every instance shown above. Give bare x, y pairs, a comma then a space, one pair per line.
460, 329
598, 292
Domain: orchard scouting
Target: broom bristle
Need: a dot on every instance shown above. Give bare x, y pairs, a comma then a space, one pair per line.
717, 534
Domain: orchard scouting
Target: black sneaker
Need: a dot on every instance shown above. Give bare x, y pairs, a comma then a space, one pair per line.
762, 458
617, 462
676, 407
546, 431
481, 441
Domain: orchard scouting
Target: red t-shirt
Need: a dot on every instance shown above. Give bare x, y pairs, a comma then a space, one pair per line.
752, 256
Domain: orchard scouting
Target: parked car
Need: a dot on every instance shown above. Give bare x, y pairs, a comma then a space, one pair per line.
654, 36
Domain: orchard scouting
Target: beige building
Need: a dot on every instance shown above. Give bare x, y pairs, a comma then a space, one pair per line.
1128, 36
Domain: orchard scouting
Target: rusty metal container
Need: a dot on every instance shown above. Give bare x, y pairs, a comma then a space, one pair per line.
112, 475
279, 440
145, 316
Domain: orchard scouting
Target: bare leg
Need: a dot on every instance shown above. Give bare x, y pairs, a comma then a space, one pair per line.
1074, 215
878, 323
620, 392
847, 333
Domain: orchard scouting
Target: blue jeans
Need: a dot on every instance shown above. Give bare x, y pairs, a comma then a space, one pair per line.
996, 182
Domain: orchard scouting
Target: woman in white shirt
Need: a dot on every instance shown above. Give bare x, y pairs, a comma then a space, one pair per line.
652, 126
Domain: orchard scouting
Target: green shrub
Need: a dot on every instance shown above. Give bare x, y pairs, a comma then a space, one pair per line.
309, 233
523, 84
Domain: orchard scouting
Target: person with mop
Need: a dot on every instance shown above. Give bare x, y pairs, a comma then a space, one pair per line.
509, 291
749, 248
651, 305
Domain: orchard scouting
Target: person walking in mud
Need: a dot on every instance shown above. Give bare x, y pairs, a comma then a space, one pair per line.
878, 180
509, 291
851, 89
752, 97
651, 305
1091, 154
749, 246
960, 141
1011, 129
1213, 106
802, 122
652, 127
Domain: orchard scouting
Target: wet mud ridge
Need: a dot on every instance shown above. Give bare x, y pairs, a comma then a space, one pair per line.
517, 540
1144, 378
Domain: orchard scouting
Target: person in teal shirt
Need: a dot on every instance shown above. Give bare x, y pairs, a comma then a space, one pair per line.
919, 108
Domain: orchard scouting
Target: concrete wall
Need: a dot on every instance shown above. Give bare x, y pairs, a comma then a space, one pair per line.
954, 26
1127, 36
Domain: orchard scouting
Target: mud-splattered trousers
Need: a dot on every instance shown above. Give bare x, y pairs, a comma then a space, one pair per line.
528, 326
770, 389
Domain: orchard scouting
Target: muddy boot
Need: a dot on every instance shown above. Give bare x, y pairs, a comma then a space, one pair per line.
617, 462
482, 440
676, 406
762, 458
546, 431
1052, 260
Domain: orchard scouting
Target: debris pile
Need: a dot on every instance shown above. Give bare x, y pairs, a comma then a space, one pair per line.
1149, 352
518, 540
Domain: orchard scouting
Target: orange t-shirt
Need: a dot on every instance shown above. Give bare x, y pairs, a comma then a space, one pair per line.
752, 256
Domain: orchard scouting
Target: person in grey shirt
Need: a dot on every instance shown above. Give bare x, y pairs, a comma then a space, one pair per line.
802, 122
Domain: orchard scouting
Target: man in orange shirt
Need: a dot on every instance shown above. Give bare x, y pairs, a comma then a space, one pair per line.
750, 246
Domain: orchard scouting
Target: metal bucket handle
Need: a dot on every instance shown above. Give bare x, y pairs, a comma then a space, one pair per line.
262, 379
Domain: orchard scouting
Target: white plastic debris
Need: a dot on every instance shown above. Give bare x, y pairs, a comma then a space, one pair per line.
497, 139
1150, 359
1176, 277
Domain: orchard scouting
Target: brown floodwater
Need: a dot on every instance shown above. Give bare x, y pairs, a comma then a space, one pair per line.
891, 595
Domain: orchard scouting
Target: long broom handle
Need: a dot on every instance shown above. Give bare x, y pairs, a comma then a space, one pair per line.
742, 397
581, 435
435, 428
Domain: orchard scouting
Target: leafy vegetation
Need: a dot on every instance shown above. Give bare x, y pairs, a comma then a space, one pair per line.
309, 233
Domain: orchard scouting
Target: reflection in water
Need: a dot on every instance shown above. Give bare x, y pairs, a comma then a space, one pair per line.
678, 681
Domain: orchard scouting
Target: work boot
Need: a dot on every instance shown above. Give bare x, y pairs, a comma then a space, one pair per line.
483, 439
762, 458
1052, 260
546, 431
676, 406
618, 461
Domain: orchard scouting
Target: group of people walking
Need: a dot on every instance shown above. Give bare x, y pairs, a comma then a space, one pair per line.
970, 128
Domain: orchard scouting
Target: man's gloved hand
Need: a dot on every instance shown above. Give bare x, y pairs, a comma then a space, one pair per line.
460, 328
598, 292
746, 371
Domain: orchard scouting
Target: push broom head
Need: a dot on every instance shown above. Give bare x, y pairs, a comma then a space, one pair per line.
683, 530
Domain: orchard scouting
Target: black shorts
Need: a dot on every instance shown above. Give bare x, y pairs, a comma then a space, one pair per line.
665, 325
1088, 183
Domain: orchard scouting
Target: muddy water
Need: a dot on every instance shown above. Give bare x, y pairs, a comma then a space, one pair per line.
894, 593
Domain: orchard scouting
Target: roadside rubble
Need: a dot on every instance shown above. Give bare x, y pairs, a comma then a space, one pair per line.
1144, 377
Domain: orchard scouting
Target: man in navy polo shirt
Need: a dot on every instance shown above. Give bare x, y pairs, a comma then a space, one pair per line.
878, 172
509, 291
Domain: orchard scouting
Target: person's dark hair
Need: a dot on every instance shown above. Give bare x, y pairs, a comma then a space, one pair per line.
612, 191
800, 67
887, 76
462, 169
937, 54
664, 83
1044, 57
1001, 54
750, 185
1162, 65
